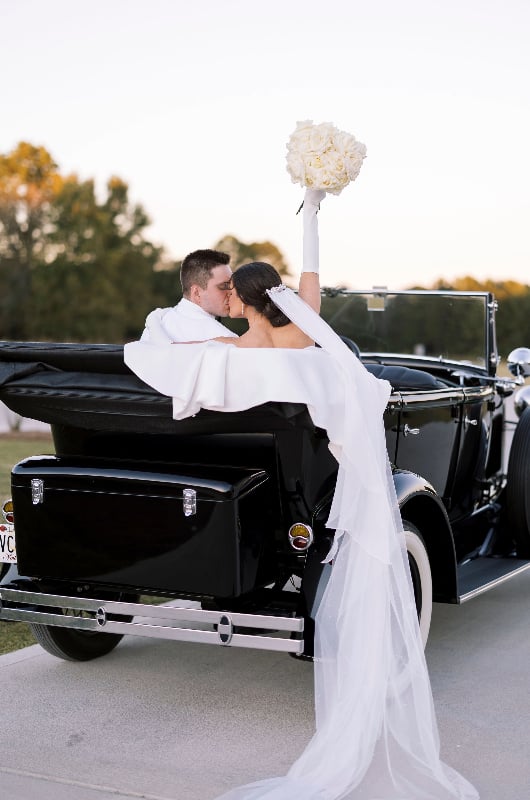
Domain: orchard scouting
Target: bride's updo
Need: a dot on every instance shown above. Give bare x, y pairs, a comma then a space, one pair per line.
251, 282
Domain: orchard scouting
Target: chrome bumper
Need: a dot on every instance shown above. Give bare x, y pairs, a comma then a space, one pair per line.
161, 622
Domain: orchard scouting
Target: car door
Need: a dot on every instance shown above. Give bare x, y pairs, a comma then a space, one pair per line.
473, 452
428, 436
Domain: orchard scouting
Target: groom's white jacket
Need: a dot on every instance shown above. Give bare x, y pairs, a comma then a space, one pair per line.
185, 322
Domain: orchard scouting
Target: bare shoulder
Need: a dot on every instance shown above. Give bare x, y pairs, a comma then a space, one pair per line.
291, 336
258, 338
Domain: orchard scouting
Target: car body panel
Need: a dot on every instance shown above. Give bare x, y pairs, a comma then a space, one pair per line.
112, 520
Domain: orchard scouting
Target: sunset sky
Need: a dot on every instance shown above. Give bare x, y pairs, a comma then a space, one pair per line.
192, 104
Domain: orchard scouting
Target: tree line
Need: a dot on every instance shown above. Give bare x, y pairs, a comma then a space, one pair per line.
78, 267
513, 313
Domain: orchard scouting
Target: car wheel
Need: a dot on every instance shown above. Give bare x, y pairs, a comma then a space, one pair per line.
75, 645
72, 645
420, 571
518, 486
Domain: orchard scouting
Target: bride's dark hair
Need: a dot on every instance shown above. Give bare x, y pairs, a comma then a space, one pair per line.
251, 281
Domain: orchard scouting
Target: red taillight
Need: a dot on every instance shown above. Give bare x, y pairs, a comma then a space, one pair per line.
7, 511
300, 536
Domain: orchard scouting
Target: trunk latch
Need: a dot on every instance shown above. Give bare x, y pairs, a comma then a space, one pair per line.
189, 502
37, 491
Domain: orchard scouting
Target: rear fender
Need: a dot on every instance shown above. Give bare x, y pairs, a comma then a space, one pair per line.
419, 504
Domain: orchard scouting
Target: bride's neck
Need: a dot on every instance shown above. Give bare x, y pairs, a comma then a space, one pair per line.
256, 320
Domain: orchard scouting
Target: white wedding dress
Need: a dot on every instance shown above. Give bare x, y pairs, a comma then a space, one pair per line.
376, 735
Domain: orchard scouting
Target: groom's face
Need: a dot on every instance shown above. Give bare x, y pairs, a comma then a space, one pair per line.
214, 299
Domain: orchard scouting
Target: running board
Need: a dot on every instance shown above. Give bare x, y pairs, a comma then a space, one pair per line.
485, 573
162, 622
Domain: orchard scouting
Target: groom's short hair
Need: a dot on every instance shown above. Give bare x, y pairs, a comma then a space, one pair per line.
197, 268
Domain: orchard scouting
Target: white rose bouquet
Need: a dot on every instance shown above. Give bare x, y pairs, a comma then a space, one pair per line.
322, 157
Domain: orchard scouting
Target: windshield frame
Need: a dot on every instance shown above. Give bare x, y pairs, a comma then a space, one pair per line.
380, 296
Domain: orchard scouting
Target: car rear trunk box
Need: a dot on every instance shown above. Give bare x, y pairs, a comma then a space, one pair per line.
180, 529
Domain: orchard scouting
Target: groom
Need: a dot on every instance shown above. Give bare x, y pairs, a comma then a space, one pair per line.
205, 277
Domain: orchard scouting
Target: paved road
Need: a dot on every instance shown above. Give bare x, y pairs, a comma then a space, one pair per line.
170, 721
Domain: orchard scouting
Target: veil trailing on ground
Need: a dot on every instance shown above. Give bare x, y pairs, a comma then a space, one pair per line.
376, 734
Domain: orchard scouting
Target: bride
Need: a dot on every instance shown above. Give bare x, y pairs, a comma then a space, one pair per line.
251, 284
376, 735
268, 326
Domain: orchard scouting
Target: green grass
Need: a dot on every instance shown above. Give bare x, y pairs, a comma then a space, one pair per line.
16, 446
13, 448
14, 636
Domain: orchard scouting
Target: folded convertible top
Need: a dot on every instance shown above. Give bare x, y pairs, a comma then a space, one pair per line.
89, 386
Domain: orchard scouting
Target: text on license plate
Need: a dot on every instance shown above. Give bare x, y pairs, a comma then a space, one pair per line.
8, 548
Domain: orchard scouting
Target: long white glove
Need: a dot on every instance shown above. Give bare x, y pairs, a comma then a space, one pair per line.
312, 200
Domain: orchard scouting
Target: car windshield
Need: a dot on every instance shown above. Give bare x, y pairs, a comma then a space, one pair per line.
448, 326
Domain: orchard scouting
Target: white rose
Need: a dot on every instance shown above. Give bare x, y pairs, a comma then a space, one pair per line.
319, 139
343, 142
295, 166
322, 157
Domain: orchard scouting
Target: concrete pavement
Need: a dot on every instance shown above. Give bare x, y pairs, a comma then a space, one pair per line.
169, 721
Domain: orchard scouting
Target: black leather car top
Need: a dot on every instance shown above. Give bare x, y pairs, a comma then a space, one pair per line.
90, 386
406, 379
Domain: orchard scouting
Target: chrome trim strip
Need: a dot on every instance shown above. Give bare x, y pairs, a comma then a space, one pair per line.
492, 584
431, 397
44, 618
477, 392
383, 291
173, 615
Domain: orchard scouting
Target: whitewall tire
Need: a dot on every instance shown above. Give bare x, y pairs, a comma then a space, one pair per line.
420, 569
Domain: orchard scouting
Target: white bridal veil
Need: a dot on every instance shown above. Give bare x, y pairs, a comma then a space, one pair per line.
376, 735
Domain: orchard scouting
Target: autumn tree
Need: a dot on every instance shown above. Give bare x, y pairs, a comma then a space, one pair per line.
95, 283
29, 186
242, 253
513, 315
71, 266
166, 281
501, 289
78, 267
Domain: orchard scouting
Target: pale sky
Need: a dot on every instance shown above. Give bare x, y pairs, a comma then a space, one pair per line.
192, 103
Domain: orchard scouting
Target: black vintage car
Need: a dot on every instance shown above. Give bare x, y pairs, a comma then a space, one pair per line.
212, 529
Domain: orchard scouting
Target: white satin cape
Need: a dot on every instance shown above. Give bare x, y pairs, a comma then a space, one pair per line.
376, 735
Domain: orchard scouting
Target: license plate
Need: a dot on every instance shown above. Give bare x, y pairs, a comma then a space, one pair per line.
8, 548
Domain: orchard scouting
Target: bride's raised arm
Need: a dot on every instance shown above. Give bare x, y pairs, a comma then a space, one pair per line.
309, 286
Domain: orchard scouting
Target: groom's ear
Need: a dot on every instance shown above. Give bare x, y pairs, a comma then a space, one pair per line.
195, 294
